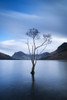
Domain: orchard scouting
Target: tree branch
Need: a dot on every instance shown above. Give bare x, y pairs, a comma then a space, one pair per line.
29, 51
36, 59
41, 44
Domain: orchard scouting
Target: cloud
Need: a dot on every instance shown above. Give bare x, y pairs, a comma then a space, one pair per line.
48, 16
17, 23
12, 46
55, 12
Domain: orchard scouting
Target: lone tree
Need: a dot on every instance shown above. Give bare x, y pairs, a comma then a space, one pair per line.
34, 34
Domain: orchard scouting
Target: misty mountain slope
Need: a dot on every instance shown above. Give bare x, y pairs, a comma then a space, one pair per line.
62, 47
5, 56
59, 54
20, 55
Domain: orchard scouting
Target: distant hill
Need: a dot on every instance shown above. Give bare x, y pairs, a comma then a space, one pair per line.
21, 55
5, 57
59, 54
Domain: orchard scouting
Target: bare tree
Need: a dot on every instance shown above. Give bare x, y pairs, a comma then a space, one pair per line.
34, 34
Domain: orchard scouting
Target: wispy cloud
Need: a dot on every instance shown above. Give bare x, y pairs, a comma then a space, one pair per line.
48, 16
11, 46
17, 23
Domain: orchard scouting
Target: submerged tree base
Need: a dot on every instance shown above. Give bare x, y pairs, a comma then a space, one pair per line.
32, 72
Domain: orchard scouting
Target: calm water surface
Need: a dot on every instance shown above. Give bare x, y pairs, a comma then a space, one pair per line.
48, 83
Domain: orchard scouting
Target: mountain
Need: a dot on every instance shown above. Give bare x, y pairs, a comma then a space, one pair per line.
5, 57
62, 48
59, 54
20, 55
42, 55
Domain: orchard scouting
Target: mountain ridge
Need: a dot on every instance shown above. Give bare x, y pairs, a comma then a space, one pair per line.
59, 54
22, 56
4, 56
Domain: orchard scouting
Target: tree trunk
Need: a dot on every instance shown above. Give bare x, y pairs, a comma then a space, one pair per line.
32, 71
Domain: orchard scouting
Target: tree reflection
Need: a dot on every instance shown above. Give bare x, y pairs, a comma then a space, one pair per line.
32, 89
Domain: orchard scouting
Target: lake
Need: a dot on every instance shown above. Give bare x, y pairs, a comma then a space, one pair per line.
48, 83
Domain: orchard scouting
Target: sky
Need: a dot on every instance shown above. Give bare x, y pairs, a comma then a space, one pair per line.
18, 16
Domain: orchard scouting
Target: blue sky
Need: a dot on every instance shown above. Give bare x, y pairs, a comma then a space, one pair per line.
17, 16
